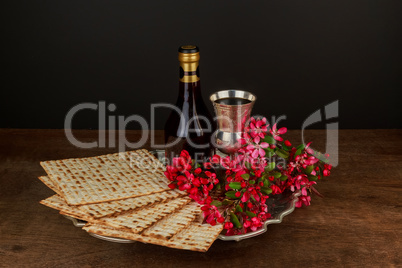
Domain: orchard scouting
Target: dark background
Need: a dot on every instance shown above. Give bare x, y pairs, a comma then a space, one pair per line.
296, 56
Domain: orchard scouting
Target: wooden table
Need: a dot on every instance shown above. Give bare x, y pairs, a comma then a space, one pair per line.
358, 223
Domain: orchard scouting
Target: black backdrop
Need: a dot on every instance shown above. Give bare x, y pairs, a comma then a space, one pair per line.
296, 56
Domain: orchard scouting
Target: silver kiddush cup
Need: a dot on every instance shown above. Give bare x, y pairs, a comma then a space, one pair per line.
232, 109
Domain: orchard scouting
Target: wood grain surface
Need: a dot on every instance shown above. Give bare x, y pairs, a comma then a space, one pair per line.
357, 224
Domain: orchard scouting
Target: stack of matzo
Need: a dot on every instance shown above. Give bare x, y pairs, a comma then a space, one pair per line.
126, 195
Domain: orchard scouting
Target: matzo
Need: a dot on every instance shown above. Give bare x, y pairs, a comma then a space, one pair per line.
110, 208
56, 202
108, 177
197, 237
49, 183
174, 223
138, 220
116, 207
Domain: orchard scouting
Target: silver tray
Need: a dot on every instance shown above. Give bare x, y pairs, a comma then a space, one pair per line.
279, 206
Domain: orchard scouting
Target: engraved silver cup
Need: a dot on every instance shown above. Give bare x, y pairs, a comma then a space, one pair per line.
232, 108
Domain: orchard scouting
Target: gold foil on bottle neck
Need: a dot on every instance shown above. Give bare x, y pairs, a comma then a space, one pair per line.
189, 66
189, 79
189, 57
189, 63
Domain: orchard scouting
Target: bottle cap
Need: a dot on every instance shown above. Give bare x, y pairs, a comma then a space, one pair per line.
189, 53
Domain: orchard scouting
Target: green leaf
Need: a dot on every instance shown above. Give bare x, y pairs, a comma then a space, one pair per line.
282, 153
250, 214
252, 182
270, 166
238, 209
266, 183
266, 190
319, 173
245, 176
231, 194
284, 178
301, 147
248, 165
269, 152
235, 185
269, 139
216, 203
226, 202
286, 148
277, 175
298, 152
312, 178
309, 169
235, 220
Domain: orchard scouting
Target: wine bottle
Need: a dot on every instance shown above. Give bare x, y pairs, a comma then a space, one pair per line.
190, 129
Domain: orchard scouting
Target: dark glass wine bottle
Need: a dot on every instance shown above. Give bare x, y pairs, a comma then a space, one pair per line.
192, 128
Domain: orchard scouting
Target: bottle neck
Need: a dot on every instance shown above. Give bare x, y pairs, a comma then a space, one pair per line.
189, 79
189, 90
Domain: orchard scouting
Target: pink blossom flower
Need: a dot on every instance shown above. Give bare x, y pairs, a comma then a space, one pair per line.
215, 159
255, 223
254, 191
228, 225
245, 197
303, 200
245, 139
326, 172
183, 162
184, 182
276, 132
258, 129
308, 149
171, 173
276, 189
211, 214
257, 149
211, 178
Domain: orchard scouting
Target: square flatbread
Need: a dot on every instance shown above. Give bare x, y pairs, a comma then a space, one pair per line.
116, 207
195, 237
174, 223
58, 203
113, 208
138, 220
49, 183
108, 177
